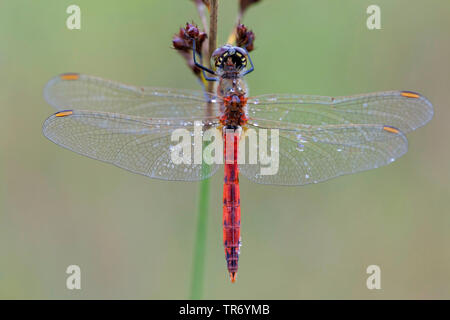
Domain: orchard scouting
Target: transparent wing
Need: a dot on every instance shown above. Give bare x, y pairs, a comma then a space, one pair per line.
312, 154
324, 137
134, 143
84, 92
404, 110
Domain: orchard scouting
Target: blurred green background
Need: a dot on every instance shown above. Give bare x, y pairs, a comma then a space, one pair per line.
133, 237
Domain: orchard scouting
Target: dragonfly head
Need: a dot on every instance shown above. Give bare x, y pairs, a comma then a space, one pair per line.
229, 58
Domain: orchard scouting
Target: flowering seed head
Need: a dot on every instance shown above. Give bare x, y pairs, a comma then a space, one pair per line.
183, 43
244, 37
184, 39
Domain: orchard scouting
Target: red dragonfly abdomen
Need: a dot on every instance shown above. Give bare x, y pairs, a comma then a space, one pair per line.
231, 202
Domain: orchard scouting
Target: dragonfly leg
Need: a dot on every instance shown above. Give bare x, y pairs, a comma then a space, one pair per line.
251, 66
203, 68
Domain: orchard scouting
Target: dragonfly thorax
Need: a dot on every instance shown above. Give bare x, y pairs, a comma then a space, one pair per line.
234, 97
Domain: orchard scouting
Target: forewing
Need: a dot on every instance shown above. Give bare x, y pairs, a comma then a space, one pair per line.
134, 143
84, 92
404, 110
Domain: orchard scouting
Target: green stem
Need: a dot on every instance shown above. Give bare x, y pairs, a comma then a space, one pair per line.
200, 242
198, 271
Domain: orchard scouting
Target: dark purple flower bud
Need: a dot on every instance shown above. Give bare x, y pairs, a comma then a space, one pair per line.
184, 39
244, 37
183, 42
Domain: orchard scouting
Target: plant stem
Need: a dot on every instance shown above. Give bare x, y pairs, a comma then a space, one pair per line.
202, 215
200, 242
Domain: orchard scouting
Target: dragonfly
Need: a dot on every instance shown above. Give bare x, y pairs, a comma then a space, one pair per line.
319, 137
